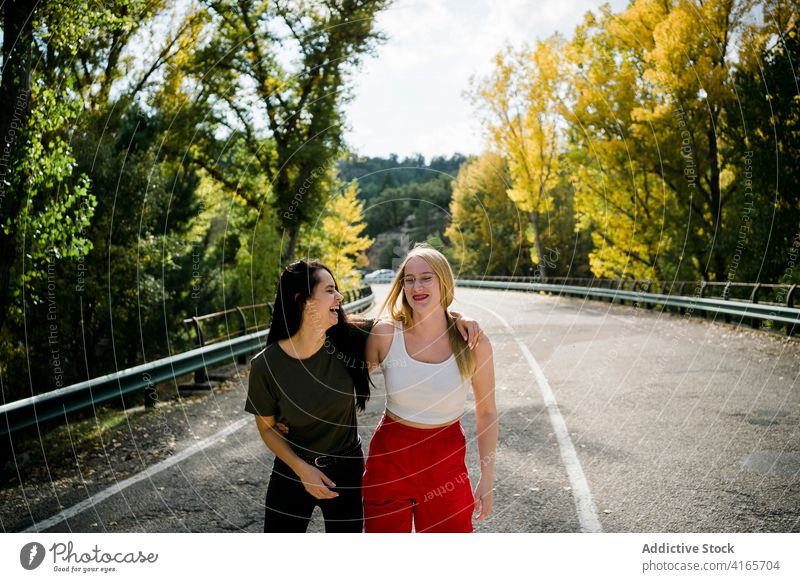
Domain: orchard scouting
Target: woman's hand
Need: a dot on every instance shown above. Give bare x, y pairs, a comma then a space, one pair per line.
282, 428
316, 482
468, 328
484, 499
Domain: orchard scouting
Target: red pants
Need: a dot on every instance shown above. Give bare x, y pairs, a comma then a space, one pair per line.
417, 473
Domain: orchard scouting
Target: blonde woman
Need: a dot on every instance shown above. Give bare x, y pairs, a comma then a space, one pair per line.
416, 472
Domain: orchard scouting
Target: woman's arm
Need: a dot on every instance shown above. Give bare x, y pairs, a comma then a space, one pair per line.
486, 422
314, 480
378, 344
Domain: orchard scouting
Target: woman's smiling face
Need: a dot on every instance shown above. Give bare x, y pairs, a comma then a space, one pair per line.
421, 286
323, 306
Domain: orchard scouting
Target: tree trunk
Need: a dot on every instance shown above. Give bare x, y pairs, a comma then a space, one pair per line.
718, 258
537, 240
288, 255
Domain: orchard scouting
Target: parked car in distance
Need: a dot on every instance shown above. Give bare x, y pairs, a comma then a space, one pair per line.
380, 276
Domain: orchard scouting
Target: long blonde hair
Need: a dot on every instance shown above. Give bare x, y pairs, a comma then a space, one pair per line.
405, 314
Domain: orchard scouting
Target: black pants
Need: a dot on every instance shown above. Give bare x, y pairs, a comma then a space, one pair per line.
289, 506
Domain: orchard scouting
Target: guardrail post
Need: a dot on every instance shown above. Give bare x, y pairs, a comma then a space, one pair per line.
790, 303
201, 374
726, 292
754, 322
702, 295
620, 287
241, 358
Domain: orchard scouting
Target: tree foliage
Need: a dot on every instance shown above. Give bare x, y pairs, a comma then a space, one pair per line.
299, 102
336, 236
487, 233
153, 157
520, 102
668, 121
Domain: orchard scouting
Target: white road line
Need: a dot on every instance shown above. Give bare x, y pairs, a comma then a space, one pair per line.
141, 476
584, 504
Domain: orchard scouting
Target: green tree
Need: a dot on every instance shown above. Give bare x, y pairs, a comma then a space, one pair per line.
768, 129
388, 210
300, 104
38, 189
48, 199
430, 201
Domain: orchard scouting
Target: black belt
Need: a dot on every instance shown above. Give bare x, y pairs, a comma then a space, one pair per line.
328, 460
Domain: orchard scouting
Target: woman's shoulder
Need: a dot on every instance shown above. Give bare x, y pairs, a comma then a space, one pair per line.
381, 337
259, 367
259, 357
385, 326
265, 356
483, 349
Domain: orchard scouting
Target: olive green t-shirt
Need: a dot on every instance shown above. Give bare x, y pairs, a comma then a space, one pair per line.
314, 397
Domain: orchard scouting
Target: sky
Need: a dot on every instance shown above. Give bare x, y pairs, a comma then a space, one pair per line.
409, 98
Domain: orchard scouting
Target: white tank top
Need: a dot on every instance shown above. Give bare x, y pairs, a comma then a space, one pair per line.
419, 391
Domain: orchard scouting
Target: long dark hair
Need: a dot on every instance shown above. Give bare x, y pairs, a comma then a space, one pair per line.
346, 339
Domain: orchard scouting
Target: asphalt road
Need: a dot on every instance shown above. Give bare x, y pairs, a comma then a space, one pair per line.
612, 419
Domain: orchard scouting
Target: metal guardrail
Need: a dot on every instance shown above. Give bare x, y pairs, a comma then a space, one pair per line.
196, 323
58, 403
756, 312
239, 313
752, 292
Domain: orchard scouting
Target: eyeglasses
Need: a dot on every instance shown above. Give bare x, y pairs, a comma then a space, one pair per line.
424, 280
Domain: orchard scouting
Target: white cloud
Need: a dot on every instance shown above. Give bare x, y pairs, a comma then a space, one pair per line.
410, 97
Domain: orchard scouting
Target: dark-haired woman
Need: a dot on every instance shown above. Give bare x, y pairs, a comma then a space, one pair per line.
311, 378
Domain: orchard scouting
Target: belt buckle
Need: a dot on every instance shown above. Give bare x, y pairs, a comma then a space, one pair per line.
323, 461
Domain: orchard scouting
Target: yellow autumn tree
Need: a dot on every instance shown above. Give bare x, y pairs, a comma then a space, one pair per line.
691, 67
487, 230
651, 102
613, 156
336, 237
520, 102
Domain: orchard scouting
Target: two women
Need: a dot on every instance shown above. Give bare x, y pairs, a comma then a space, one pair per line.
313, 375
